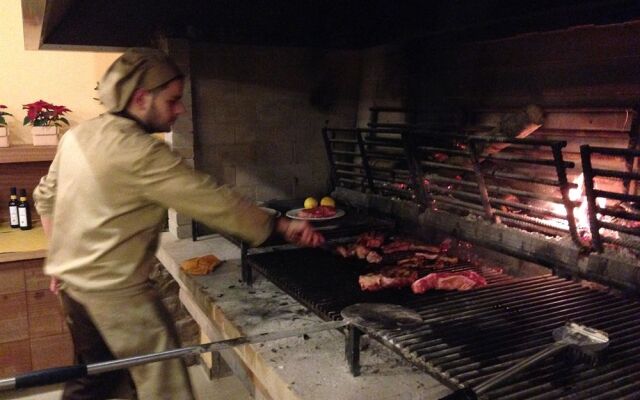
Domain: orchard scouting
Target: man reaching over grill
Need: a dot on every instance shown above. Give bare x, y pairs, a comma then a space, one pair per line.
102, 205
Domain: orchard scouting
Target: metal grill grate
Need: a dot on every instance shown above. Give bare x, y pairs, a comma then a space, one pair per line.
467, 337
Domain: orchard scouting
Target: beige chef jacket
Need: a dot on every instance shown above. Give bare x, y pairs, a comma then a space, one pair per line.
108, 189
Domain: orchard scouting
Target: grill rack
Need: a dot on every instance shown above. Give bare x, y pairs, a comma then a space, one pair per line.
471, 187
412, 174
597, 214
467, 337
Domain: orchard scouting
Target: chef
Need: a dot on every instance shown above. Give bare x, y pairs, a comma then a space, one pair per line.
102, 205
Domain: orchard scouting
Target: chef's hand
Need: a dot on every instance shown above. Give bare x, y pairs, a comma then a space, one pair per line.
298, 232
54, 285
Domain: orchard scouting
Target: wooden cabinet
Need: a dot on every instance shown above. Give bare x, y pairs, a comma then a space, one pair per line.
33, 333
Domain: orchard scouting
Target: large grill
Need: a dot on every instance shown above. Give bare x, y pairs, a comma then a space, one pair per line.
467, 337
511, 195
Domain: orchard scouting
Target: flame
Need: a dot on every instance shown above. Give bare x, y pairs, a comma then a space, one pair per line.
580, 212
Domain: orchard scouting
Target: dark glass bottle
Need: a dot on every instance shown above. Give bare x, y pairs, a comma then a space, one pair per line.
24, 213
13, 209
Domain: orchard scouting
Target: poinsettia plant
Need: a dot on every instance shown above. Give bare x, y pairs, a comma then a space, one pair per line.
42, 113
3, 122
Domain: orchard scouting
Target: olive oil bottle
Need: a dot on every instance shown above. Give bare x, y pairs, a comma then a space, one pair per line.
13, 209
24, 213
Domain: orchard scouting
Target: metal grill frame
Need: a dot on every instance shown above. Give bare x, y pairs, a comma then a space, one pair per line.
411, 152
597, 214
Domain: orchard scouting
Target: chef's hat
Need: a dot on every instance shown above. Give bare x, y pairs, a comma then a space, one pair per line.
137, 68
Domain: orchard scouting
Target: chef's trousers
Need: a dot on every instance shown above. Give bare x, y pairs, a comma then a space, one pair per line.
123, 324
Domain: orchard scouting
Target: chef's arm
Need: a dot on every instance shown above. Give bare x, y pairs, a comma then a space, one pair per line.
298, 232
47, 225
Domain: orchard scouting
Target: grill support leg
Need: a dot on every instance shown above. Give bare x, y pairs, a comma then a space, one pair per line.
352, 349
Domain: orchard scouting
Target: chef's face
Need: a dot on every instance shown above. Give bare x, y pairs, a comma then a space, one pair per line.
166, 106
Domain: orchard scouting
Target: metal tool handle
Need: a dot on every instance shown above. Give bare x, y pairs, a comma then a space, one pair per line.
62, 374
462, 394
522, 365
472, 394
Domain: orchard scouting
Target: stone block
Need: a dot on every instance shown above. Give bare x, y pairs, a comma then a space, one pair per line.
180, 231
246, 175
238, 153
215, 134
228, 110
181, 139
229, 174
184, 152
248, 191
274, 152
246, 133
265, 193
189, 162
184, 125
177, 218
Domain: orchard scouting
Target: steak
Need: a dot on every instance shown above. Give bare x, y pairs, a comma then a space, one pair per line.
317, 212
463, 280
391, 277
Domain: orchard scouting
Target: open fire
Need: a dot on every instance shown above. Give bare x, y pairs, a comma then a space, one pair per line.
580, 212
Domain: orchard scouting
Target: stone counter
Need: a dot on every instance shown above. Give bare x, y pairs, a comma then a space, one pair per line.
313, 367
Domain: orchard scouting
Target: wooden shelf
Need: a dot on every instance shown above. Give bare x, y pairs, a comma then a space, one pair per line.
26, 153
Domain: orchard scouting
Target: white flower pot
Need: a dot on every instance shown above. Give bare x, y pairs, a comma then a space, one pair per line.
4, 136
44, 135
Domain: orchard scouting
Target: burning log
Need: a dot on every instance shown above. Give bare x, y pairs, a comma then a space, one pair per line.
516, 125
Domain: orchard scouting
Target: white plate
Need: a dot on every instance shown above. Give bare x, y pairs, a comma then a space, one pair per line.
294, 215
271, 211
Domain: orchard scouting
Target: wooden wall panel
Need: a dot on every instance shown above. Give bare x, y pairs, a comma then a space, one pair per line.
15, 358
45, 314
13, 317
34, 276
51, 351
11, 279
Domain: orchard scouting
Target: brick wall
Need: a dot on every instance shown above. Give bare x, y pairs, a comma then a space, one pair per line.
258, 115
181, 136
583, 66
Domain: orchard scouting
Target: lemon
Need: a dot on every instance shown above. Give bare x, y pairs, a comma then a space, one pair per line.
327, 202
310, 202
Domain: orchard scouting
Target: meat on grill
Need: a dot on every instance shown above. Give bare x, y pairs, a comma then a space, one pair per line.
391, 277
402, 245
463, 280
373, 257
372, 240
363, 248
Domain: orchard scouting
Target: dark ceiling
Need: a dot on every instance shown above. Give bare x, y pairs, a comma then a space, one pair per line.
350, 24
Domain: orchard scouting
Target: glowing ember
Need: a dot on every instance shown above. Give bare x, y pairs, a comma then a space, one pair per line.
580, 212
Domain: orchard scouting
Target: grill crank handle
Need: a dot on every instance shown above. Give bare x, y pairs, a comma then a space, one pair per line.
63, 374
